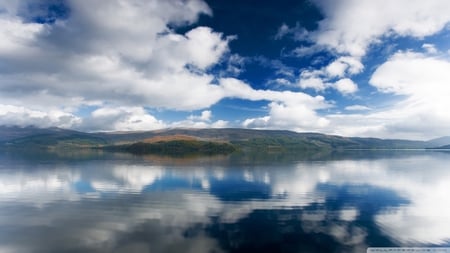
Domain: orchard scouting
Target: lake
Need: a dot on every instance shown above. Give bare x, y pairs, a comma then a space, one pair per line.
102, 202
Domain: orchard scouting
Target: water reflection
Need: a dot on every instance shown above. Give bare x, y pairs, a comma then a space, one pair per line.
138, 205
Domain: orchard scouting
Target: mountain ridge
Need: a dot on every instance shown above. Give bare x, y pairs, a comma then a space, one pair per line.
284, 140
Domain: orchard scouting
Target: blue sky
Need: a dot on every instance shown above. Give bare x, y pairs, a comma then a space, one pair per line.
352, 68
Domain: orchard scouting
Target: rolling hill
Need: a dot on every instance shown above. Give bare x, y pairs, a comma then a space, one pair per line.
181, 140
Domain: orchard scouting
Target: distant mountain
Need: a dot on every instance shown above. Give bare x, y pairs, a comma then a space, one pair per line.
32, 137
239, 139
8, 133
266, 138
438, 142
442, 147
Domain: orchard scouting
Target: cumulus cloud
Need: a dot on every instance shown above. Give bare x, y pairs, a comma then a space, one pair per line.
120, 57
344, 65
297, 117
98, 53
417, 80
204, 120
420, 81
120, 118
346, 86
312, 79
423, 80
325, 78
21, 116
204, 116
288, 110
351, 26
414, 74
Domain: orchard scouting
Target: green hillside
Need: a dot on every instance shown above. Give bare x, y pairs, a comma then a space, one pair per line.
49, 138
175, 148
201, 141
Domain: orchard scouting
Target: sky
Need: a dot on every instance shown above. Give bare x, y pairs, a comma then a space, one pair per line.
348, 67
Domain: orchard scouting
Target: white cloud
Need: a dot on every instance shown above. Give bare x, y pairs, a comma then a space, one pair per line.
204, 120
280, 82
235, 65
420, 81
204, 116
348, 30
344, 65
357, 108
414, 74
17, 36
22, 116
122, 61
322, 79
121, 118
350, 26
346, 86
297, 117
325, 77
430, 48
119, 53
313, 80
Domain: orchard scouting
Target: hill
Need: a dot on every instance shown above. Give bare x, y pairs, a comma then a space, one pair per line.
439, 142
205, 141
175, 148
47, 138
263, 138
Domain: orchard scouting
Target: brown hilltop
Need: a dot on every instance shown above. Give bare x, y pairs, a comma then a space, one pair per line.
165, 138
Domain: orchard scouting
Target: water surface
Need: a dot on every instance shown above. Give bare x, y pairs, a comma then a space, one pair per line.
95, 202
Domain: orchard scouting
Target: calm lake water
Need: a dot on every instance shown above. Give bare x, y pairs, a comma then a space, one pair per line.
94, 202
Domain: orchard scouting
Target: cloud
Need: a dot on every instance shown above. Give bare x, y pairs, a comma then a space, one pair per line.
287, 110
120, 118
235, 65
414, 74
414, 81
280, 82
21, 116
344, 65
350, 26
302, 51
312, 79
429, 48
204, 116
204, 120
357, 108
297, 117
121, 57
122, 53
346, 86
423, 80
297, 32
325, 78
420, 83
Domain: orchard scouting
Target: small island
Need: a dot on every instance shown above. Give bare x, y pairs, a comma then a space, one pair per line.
175, 148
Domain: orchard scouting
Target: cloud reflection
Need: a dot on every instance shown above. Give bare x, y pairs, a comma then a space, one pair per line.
116, 206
